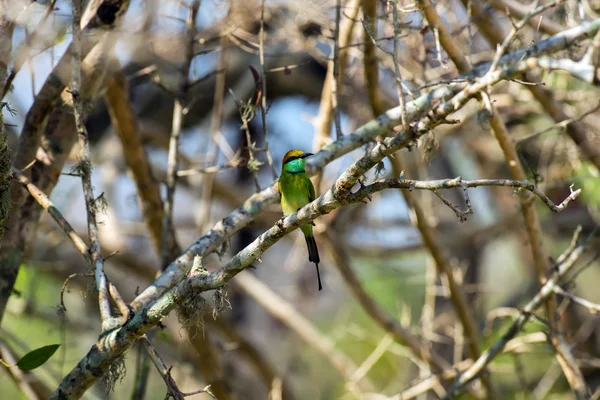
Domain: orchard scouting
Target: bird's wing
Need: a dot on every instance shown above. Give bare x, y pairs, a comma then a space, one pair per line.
311, 189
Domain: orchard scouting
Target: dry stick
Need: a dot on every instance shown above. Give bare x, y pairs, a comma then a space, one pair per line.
85, 169
371, 73
396, 65
593, 308
216, 120
335, 82
548, 380
252, 163
124, 121
381, 348
444, 268
287, 314
161, 367
427, 317
209, 362
170, 289
491, 30
168, 204
49, 206
210, 171
436, 185
539, 299
169, 251
30, 65
263, 79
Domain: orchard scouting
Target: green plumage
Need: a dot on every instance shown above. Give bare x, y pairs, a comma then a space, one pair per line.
297, 191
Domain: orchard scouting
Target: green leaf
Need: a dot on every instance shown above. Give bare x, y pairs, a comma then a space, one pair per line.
37, 357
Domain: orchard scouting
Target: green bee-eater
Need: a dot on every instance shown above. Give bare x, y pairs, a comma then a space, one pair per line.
297, 191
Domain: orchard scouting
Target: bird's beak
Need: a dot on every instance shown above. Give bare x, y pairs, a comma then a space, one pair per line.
307, 155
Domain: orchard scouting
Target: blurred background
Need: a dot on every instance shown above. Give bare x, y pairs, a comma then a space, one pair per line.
275, 335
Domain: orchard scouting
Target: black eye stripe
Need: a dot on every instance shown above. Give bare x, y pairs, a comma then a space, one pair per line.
292, 159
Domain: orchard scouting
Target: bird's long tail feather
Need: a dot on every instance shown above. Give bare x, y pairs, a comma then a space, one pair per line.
313, 255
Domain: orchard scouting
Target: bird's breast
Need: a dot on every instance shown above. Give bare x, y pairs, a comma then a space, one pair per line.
294, 194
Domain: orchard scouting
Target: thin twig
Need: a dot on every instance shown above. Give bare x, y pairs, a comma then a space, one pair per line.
65, 285
161, 367
45, 202
263, 106
216, 119
593, 308
233, 163
168, 204
396, 65
167, 253
335, 89
436, 185
85, 169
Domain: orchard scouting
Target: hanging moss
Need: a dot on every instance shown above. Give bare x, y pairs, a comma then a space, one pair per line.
4, 174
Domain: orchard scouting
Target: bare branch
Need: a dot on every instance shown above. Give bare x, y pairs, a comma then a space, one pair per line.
161, 367
540, 298
85, 169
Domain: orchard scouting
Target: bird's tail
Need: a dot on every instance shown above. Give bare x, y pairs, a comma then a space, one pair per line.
313, 255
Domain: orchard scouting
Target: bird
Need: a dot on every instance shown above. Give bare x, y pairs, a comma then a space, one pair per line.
296, 191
